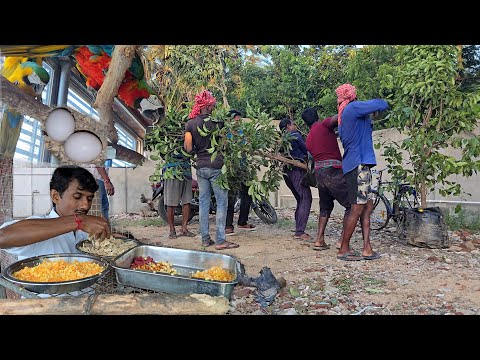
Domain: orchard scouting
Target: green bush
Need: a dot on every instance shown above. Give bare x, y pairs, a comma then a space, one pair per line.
463, 220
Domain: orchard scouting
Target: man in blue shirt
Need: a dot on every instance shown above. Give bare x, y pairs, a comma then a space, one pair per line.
355, 131
293, 179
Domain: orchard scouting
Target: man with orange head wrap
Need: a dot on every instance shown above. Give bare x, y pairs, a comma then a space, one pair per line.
355, 132
207, 171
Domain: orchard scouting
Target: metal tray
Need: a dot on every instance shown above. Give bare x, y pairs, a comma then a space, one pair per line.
60, 287
109, 258
185, 262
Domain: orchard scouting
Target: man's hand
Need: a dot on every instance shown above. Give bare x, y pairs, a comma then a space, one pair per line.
109, 187
188, 142
96, 226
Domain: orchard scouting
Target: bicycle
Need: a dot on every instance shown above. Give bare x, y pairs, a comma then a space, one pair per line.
404, 196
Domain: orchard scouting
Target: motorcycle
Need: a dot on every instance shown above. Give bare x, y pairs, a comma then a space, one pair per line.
264, 210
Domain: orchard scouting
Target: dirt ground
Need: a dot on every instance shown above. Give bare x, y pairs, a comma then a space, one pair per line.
405, 280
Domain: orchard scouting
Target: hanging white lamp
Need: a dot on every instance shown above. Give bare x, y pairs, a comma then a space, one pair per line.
60, 124
83, 146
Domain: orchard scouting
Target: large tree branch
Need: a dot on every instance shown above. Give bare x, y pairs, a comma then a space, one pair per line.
121, 60
284, 160
17, 100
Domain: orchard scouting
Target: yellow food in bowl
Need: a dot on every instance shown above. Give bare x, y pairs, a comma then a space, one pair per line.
59, 270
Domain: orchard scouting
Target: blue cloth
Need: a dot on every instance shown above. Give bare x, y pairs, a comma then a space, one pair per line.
230, 135
299, 149
182, 162
243, 161
355, 133
105, 205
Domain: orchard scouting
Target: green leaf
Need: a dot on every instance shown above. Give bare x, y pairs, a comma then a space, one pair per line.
224, 169
458, 208
214, 156
374, 291
294, 292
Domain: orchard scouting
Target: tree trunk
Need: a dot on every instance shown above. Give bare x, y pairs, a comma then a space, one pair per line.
130, 304
423, 194
121, 60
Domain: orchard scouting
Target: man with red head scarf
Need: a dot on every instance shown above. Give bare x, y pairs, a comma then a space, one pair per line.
207, 171
355, 132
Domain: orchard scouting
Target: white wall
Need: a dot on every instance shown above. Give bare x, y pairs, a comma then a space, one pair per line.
31, 187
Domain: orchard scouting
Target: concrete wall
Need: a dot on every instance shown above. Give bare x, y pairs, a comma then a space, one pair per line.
469, 185
31, 186
129, 184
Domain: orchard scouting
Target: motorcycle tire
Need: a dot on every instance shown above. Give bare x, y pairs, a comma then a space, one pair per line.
265, 212
236, 207
162, 212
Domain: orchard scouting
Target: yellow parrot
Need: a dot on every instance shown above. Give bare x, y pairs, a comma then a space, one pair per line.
27, 75
31, 78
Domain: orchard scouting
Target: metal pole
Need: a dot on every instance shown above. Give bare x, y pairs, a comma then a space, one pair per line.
454, 202
65, 71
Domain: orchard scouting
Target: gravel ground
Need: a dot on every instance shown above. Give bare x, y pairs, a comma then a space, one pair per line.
405, 280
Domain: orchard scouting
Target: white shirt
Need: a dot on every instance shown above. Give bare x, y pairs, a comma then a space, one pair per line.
93, 170
60, 244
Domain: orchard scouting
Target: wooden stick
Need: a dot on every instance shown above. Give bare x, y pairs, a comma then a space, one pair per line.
284, 160
109, 304
121, 60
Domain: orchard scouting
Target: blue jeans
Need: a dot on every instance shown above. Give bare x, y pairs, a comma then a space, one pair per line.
105, 205
206, 182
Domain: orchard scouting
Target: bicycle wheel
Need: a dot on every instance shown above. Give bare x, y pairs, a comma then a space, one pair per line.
408, 198
380, 214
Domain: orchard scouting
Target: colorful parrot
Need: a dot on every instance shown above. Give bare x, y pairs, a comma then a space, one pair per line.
93, 62
152, 108
29, 77
93, 66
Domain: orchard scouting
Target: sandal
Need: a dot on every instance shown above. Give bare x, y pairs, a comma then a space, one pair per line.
321, 247
208, 243
304, 237
226, 245
187, 234
348, 256
172, 235
250, 227
374, 256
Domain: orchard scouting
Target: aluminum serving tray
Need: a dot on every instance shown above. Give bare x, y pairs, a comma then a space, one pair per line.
185, 262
